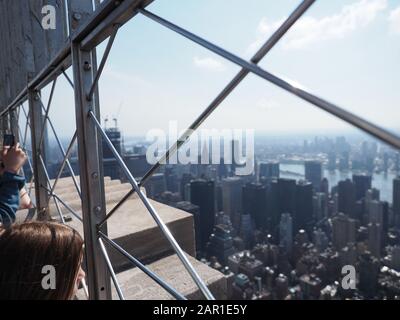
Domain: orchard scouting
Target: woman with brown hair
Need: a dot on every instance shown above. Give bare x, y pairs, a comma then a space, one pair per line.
29, 250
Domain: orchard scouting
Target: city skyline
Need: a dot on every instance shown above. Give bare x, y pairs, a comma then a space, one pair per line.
187, 78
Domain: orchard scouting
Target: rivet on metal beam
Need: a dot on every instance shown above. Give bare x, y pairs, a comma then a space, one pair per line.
97, 210
87, 66
77, 16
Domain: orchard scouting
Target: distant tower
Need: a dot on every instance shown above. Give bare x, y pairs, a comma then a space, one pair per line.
362, 183
286, 232
347, 197
111, 167
303, 215
202, 194
313, 173
232, 199
255, 203
343, 231
375, 239
396, 200
269, 169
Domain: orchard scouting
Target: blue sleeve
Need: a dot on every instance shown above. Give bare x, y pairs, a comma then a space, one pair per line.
10, 185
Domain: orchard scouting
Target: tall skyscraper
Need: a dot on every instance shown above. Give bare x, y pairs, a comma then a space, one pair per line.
185, 180
247, 230
221, 244
343, 231
202, 194
269, 169
362, 183
232, 199
375, 239
325, 186
313, 172
396, 200
255, 203
347, 197
273, 209
286, 232
195, 211
320, 206
303, 215
369, 273
286, 196
110, 165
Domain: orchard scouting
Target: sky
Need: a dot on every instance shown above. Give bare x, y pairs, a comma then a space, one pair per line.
345, 51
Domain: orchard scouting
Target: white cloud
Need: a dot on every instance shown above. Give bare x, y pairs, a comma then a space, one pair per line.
309, 29
394, 19
208, 63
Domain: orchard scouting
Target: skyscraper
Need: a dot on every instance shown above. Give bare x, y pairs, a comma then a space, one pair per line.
320, 206
232, 199
343, 231
369, 272
396, 200
313, 172
202, 194
347, 197
362, 183
375, 239
286, 196
221, 244
195, 211
303, 214
255, 203
286, 232
110, 165
269, 169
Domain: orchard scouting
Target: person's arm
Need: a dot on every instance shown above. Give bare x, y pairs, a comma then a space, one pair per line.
11, 184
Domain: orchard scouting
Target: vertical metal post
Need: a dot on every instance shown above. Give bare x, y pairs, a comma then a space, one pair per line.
36, 120
91, 178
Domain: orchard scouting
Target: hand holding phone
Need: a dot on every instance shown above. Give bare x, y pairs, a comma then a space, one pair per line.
13, 158
9, 140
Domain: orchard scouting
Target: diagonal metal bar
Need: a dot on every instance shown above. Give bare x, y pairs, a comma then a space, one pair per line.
143, 268
268, 45
64, 155
60, 171
27, 124
103, 61
85, 288
68, 79
46, 116
111, 269
68, 207
48, 182
163, 227
343, 114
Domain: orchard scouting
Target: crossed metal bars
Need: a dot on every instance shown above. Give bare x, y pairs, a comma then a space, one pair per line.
111, 23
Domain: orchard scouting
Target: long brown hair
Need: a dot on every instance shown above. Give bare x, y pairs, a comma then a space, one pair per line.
26, 248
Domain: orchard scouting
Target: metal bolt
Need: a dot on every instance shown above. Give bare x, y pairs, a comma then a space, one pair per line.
95, 175
77, 16
87, 66
97, 210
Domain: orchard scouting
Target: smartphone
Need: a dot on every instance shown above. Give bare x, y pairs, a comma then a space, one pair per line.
9, 140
